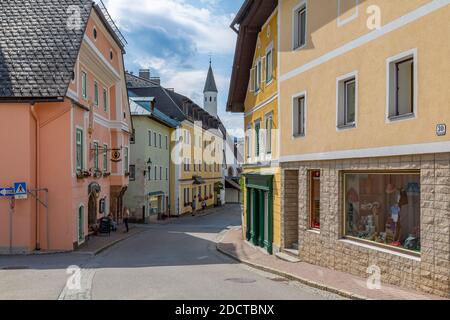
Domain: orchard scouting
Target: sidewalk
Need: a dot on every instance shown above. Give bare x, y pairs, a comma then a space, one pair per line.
97, 244
344, 284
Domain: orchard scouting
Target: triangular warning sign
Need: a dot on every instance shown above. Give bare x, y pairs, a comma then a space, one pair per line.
20, 189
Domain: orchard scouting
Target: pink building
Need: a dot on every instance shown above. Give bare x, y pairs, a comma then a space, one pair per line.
64, 122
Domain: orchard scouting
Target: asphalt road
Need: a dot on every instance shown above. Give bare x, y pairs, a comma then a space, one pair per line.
174, 261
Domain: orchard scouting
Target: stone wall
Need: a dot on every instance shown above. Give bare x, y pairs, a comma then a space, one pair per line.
289, 228
429, 273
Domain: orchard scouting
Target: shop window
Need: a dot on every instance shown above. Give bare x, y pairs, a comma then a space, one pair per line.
401, 87
314, 208
383, 208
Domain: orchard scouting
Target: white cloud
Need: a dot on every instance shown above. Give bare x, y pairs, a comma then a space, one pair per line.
209, 32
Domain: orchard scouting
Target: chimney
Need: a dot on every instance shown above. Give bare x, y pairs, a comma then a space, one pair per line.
144, 73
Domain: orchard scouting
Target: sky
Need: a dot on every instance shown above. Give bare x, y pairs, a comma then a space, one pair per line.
175, 40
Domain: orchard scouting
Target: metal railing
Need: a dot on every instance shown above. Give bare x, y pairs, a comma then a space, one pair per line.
113, 26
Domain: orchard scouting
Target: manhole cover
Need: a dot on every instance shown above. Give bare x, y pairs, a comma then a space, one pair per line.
241, 280
15, 268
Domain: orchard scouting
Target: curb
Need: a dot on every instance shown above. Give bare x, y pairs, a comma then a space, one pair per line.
111, 244
342, 293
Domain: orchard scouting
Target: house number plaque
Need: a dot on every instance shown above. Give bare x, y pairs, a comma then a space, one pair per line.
441, 130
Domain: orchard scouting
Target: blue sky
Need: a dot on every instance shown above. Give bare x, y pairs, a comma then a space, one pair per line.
174, 38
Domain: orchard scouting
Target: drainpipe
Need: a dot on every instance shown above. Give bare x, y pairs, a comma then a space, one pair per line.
36, 119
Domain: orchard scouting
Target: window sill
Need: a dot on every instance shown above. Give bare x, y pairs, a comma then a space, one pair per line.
346, 126
269, 83
315, 231
382, 248
299, 48
407, 116
299, 136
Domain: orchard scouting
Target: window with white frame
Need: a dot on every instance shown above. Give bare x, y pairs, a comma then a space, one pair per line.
84, 85
347, 11
299, 26
257, 138
402, 86
96, 93
79, 149
95, 147
167, 143
258, 75
105, 100
105, 158
269, 125
347, 90
149, 138
154, 140
156, 173
299, 116
167, 174
248, 142
269, 65
126, 163
132, 172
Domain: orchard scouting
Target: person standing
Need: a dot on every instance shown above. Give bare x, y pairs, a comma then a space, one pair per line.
126, 217
194, 205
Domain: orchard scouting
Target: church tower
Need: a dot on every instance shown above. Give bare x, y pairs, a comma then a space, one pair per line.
210, 93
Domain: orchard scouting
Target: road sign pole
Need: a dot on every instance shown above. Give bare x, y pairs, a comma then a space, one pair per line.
11, 214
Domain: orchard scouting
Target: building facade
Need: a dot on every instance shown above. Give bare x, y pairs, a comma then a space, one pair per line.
254, 92
196, 144
364, 153
72, 113
148, 194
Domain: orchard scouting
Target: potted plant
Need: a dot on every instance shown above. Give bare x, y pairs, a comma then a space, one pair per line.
80, 174
106, 174
127, 173
97, 174
87, 174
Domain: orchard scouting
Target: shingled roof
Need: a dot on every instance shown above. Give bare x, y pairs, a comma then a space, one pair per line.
37, 49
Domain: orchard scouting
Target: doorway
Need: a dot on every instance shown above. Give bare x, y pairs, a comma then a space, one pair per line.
92, 210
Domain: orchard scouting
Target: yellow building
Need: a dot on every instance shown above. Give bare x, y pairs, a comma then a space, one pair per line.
254, 92
365, 154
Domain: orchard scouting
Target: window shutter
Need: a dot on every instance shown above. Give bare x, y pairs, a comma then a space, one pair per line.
252, 80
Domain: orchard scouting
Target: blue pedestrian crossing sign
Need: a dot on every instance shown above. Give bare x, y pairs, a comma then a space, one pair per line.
20, 190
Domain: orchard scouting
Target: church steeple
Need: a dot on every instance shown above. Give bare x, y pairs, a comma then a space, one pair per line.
210, 93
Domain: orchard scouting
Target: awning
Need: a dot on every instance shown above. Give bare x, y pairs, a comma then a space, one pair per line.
156, 194
198, 180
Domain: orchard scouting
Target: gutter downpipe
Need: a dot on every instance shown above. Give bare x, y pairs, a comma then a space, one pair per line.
36, 118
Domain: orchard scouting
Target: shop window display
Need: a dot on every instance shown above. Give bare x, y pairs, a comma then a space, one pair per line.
383, 208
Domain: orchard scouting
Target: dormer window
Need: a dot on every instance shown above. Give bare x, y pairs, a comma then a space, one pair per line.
111, 54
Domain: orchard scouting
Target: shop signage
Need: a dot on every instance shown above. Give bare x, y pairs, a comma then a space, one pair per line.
115, 156
441, 130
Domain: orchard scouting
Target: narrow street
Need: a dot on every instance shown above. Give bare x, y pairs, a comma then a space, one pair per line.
174, 261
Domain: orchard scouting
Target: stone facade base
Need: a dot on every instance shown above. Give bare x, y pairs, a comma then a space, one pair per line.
328, 247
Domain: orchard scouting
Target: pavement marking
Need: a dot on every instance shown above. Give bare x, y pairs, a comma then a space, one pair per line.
79, 283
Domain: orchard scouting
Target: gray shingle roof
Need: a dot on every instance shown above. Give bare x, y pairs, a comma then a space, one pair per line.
38, 50
210, 85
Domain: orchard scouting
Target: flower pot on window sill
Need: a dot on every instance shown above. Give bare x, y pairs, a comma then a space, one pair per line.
106, 174
80, 175
97, 174
127, 174
87, 174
